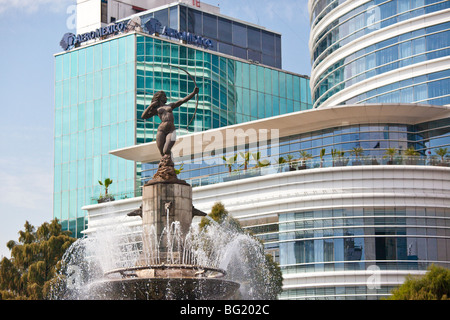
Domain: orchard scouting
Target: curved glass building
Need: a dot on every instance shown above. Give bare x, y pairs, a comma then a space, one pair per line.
348, 225
380, 51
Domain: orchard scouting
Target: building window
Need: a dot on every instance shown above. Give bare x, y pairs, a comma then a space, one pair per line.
209, 26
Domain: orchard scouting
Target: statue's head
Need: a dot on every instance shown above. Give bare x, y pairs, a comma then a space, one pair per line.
159, 97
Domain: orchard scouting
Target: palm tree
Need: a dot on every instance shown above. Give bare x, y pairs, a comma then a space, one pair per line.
411, 153
357, 152
246, 158
290, 159
390, 152
321, 155
260, 163
441, 152
106, 184
304, 156
338, 156
229, 162
279, 162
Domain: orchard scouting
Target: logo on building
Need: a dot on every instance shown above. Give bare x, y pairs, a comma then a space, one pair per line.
153, 26
69, 40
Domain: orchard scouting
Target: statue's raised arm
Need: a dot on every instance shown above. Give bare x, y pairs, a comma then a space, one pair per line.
185, 99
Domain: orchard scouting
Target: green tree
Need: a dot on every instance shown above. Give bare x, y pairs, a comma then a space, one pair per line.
260, 163
218, 213
266, 279
441, 152
304, 156
357, 152
390, 153
434, 285
33, 262
106, 184
246, 157
107, 197
280, 161
321, 155
411, 152
229, 162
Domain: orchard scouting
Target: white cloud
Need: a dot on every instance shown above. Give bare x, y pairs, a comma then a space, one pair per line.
32, 6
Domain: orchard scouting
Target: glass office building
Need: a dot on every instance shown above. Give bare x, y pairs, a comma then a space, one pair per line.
380, 52
229, 36
94, 113
101, 90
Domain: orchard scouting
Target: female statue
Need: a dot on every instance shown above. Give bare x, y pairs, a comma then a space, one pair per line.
166, 136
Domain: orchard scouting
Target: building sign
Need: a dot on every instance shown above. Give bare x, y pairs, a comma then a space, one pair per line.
155, 27
69, 40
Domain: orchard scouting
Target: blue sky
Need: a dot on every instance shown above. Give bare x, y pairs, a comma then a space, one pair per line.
30, 31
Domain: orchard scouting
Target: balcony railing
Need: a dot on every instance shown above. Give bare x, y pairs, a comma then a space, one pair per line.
295, 166
116, 196
316, 164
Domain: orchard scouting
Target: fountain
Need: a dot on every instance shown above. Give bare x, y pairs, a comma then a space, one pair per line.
176, 260
216, 262
169, 266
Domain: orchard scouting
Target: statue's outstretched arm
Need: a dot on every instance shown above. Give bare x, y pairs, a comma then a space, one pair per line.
185, 99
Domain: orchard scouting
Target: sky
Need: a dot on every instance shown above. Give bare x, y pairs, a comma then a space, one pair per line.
30, 32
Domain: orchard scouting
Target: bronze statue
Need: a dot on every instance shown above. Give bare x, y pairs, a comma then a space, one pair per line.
166, 135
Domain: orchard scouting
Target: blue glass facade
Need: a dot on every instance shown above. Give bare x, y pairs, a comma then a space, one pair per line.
343, 239
432, 88
391, 53
94, 113
102, 89
230, 37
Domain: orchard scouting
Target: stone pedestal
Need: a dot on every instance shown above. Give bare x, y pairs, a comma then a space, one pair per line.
157, 198
166, 172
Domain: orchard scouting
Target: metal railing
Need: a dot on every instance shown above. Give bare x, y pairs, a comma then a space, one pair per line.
317, 164
294, 166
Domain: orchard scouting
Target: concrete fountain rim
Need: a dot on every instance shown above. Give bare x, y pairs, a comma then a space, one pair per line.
203, 269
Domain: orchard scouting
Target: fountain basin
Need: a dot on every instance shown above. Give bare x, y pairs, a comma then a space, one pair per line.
165, 282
